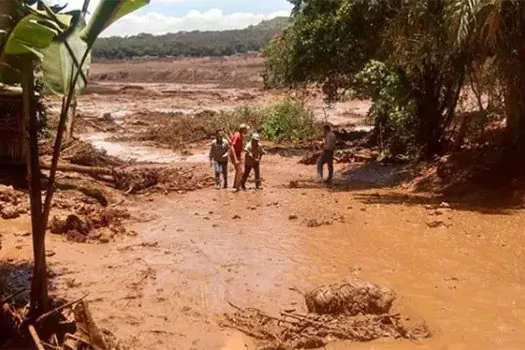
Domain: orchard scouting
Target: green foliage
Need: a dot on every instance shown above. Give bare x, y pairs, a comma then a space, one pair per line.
328, 43
289, 120
191, 44
393, 110
229, 121
278, 64
339, 44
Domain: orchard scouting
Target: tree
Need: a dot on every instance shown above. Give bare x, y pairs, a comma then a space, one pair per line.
332, 43
494, 29
433, 69
61, 43
194, 43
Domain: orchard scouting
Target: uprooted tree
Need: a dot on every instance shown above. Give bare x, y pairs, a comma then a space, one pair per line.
34, 34
413, 58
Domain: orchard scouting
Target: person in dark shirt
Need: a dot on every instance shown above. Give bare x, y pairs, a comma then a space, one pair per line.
327, 156
219, 158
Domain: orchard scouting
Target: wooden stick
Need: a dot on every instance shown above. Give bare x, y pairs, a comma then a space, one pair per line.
77, 338
79, 169
9, 297
95, 126
235, 306
295, 289
47, 345
265, 315
36, 338
55, 339
60, 308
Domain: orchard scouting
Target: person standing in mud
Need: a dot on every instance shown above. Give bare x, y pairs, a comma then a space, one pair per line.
236, 148
327, 156
254, 153
219, 158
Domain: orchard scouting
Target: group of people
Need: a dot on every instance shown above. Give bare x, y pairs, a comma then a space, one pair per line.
223, 149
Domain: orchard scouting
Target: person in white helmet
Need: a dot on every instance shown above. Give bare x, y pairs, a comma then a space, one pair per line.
254, 153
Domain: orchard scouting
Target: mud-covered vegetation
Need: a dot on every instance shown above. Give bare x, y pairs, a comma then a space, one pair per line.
437, 71
356, 311
289, 120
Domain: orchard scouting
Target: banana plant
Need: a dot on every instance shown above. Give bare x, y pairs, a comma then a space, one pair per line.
33, 33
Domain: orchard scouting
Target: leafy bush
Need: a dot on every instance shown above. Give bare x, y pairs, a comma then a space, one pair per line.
289, 121
393, 111
230, 121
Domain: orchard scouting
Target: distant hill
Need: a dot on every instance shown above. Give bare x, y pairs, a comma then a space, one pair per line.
190, 44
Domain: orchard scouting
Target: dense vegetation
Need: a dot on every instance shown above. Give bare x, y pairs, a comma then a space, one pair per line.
193, 44
416, 60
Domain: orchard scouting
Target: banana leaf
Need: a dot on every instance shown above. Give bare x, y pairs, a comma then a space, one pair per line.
62, 58
31, 32
107, 12
60, 41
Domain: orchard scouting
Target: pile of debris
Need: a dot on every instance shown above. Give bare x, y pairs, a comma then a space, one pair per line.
141, 179
176, 130
90, 223
69, 326
355, 311
83, 153
13, 203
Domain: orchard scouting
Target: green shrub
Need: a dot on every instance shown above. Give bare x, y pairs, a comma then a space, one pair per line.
289, 120
393, 111
230, 121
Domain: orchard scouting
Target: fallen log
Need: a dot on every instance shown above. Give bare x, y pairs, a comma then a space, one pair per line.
93, 171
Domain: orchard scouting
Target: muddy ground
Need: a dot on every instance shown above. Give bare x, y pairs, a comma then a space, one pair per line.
454, 265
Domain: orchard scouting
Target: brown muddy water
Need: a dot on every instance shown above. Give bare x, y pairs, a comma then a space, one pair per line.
459, 270
168, 287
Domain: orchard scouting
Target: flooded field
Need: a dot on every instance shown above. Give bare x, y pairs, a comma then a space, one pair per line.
455, 267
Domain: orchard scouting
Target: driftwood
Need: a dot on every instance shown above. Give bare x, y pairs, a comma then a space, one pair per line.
333, 314
94, 171
58, 309
9, 297
87, 327
36, 338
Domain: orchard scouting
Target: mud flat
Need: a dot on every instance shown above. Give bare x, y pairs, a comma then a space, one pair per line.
455, 266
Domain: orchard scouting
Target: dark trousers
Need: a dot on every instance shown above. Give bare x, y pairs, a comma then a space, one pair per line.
327, 157
247, 170
221, 167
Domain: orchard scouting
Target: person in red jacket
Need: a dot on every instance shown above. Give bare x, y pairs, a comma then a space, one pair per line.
236, 148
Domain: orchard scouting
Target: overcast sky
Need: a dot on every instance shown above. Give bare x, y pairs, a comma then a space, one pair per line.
163, 16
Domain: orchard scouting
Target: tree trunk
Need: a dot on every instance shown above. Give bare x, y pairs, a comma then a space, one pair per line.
94, 171
515, 110
39, 297
70, 121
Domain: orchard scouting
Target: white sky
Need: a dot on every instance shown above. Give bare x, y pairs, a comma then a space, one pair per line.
163, 16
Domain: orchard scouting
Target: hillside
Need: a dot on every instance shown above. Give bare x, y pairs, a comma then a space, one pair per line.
190, 44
